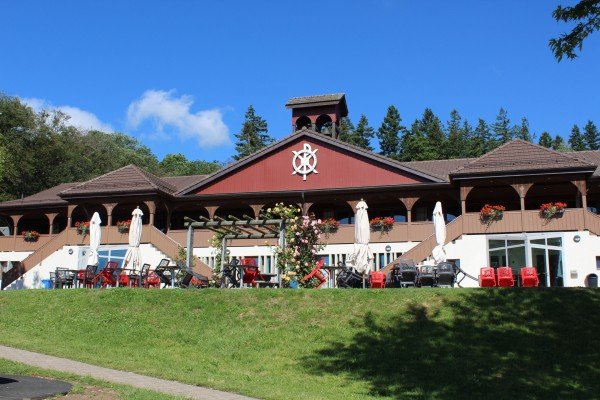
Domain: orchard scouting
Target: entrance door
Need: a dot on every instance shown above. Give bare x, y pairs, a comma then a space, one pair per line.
538, 260
548, 262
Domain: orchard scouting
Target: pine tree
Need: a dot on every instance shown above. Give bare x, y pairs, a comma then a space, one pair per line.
481, 142
363, 134
388, 133
558, 144
522, 131
546, 140
501, 128
468, 137
346, 130
456, 138
253, 135
430, 127
414, 143
591, 136
576, 140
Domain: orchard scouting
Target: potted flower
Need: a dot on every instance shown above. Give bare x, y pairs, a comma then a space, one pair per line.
382, 223
329, 225
549, 210
31, 236
123, 226
490, 213
83, 227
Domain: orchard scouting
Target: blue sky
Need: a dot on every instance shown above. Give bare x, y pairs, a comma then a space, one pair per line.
179, 75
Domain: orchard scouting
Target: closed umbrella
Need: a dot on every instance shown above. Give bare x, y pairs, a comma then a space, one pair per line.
362, 256
132, 258
439, 225
95, 235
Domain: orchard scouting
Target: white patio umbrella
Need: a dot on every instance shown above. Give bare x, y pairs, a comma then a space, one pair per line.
133, 258
95, 235
439, 225
362, 256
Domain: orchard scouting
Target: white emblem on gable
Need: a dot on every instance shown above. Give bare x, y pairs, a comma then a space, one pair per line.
305, 161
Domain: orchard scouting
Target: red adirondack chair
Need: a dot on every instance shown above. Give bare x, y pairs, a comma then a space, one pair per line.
487, 278
377, 280
251, 271
505, 277
529, 277
108, 275
316, 273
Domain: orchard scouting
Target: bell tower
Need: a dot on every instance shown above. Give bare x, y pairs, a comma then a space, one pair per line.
320, 113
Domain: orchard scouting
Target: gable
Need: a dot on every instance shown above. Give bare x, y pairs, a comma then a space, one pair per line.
337, 167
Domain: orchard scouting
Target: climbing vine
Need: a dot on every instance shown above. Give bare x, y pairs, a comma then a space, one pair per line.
302, 236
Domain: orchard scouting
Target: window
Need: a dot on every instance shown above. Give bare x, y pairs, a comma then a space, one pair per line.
115, 254
597, 262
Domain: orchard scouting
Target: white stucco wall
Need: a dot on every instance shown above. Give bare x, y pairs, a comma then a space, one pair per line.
579, 259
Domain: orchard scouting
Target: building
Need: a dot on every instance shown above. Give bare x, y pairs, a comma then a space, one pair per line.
327, 177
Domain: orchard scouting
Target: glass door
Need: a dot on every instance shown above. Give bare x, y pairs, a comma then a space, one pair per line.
546, 257
538, 260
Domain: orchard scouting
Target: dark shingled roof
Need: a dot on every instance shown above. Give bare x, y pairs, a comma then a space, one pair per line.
322, 98
48, 196
439, 168
128, 179
592, 156
521, 156
184, 181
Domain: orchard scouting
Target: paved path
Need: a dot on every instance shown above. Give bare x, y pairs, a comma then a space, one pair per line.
115, 376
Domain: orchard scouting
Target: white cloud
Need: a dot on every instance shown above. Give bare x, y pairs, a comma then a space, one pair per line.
164, 109
78, 118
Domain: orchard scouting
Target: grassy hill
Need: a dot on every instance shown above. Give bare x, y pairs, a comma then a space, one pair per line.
328, 344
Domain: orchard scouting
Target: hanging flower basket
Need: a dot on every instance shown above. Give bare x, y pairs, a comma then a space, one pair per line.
329, 225
123, 226
382, 224
490, 213
31, 236
82, 227
551, 210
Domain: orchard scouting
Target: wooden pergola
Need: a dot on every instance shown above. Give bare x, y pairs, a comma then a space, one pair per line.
235, 228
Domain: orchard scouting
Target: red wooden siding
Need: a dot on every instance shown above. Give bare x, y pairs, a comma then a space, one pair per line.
337, 168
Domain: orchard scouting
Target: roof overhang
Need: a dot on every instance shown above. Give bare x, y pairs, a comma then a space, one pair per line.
515, 174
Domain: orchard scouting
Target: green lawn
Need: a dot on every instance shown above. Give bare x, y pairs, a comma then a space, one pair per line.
81, 383
327, 344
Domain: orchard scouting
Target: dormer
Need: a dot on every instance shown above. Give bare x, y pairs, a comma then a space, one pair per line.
320, 113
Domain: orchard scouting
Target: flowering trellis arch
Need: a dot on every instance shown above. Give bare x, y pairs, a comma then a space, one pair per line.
298, 237
234, 228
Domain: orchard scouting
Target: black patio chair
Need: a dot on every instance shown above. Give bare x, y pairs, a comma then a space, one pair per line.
231, 274
160, 270
64, 278
86, 277
193, 279
348, 278
426, 277
445, 276
408, 273
394, 277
